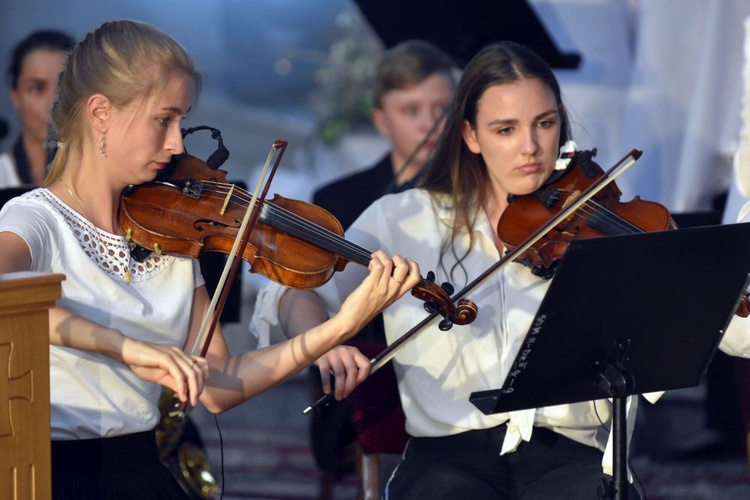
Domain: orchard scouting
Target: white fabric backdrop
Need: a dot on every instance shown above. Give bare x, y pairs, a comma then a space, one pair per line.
683, 102
739, 193
663, 76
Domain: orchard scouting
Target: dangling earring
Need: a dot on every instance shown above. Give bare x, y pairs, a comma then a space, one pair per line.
103, 144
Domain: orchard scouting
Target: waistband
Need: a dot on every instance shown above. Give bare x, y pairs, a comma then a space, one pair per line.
479, 436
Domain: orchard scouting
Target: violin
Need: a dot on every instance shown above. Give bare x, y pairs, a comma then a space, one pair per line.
601, 215
190, 209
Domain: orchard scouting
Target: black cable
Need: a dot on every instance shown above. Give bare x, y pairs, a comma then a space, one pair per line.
218, 157
221, 455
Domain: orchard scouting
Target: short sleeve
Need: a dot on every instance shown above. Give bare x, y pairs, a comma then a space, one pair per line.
35, 226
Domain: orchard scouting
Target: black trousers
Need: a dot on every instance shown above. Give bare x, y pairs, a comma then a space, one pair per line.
122, 467
469, 466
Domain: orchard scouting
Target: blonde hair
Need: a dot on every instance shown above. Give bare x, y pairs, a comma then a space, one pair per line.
122, 60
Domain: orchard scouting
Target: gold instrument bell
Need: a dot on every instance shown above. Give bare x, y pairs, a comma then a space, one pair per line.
181, 450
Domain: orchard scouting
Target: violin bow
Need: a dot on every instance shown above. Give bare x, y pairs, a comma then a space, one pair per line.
233, 262
389, 352
240, 242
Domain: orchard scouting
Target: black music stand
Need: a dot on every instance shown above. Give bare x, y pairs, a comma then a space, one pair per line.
628, 315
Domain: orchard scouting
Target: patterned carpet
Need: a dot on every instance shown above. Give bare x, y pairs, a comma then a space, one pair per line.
705, 479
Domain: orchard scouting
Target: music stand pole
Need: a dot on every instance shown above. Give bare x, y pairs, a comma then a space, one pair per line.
617, 382
620, 449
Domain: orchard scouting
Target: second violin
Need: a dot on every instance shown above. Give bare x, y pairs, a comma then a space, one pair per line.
602, 215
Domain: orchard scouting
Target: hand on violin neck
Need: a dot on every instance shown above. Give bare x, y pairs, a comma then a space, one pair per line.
389, 280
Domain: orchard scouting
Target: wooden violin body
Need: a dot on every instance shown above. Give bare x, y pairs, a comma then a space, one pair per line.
603, 215
192, 209
196, 212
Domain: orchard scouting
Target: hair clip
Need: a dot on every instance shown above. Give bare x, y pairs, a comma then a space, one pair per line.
566, 154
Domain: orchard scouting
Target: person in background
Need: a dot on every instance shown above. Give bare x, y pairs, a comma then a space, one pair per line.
504, 135
414, 83
36, 62
126, 329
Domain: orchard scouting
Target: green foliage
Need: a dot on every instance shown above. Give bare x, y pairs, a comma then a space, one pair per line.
342, 100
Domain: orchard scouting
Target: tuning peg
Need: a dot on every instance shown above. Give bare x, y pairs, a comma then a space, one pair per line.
447, 287
445, 325
431, 307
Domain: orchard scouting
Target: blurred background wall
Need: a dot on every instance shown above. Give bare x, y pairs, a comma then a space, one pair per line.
664, 76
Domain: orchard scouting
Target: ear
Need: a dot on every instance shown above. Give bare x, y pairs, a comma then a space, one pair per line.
381, 124
470, 138
98, 111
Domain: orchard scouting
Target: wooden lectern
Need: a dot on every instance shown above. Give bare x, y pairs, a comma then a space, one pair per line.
25, 299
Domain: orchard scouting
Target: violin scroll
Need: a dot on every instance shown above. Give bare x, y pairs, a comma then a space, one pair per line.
437, 300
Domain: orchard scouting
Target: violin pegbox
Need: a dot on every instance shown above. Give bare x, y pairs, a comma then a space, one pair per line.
437, 300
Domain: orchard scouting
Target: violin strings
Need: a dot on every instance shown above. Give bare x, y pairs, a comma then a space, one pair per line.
608, 221
328, 239
319, 234
292, 221
605, 220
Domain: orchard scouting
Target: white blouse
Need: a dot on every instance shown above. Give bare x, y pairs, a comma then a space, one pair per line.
92, 395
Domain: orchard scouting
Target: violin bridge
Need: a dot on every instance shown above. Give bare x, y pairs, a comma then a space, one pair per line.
571, 197
226, 200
